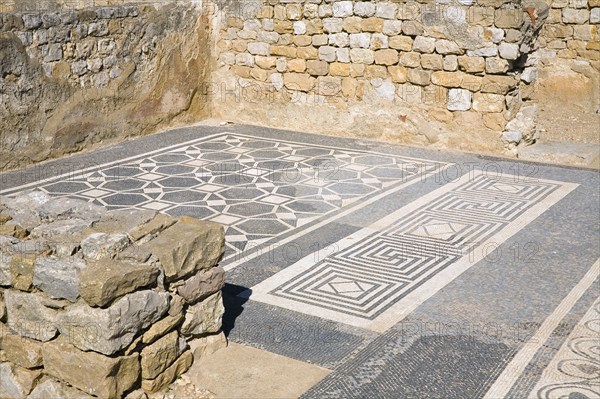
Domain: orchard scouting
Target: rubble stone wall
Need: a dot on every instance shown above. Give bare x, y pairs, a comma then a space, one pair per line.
97, 303
73, 74
417, 64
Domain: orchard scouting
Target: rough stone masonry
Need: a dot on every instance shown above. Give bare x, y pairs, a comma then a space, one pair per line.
97, 303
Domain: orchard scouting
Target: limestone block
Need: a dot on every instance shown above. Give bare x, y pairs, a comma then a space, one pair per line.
386, 10
496, 65
339, 69
443, 46
352, 24
450, 63
471, 64
109, 330
364, 9
299, 81
315, 68
205, 283
508, 51
333, 25
362, 56
459, 100
22, 351
106, 280
399, 74
488, 102
157, 357
17, 382
343, 55
100, 245
106, 377
412, 28
188, 246
498, 84
392, 27
411, 60
327, 53
204, 317
575, 16
51, 389
340, 39
27, 316
296, 65
403, 43
432, 61
372, 24
58, 277
299, 27
378, 41
424, 44
360, 40
386, 57
419, 77
342, 9
180, 366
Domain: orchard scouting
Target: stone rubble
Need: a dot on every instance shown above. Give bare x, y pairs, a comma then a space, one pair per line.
94, 318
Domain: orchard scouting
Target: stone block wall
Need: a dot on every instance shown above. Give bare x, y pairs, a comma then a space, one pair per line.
457, 63
97, 303
71, 77
571, 30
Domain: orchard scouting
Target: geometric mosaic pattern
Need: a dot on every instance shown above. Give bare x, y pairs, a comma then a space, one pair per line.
575, 370
258, 188
377, 267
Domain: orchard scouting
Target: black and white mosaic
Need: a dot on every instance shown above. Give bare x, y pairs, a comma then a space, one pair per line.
258, 188
376, 273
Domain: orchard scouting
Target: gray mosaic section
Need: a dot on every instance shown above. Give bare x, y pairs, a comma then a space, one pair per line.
258, 188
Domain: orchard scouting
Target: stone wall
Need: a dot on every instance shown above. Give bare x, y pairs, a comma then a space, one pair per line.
420, 72
102, 303
72, 77
571, 30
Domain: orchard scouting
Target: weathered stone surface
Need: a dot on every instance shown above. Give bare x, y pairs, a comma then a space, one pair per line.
204, 317
52, 389
5, 274
90, 372
101, 245
2, 311
109, 330
488, 102
205, 346
188, 246
24, 352
13, 230
123, 221
58, 277
61, 227
28, 317
69, 208
21, 271
17, 382
202, 285
162, 327
157, 357
106, 280
459, 100
180, 366
497, 84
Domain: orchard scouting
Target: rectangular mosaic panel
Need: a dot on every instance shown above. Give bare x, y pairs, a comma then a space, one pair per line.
382, 272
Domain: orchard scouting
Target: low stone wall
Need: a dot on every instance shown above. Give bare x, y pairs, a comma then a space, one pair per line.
413, 71
102, 303
72, 77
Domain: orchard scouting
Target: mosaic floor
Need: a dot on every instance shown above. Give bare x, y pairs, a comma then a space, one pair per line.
408, 273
